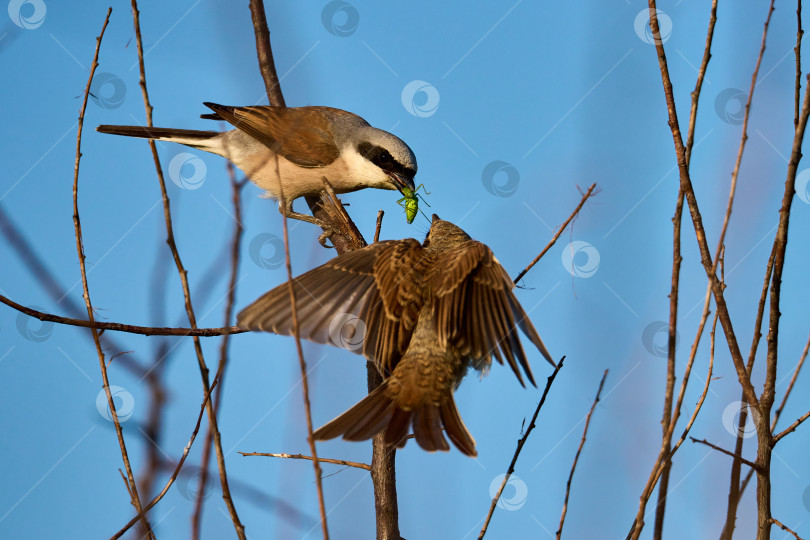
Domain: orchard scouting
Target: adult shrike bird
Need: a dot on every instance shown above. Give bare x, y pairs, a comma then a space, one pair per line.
293, 149
423, 313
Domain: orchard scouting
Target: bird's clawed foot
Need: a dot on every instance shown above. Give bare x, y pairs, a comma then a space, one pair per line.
328, 230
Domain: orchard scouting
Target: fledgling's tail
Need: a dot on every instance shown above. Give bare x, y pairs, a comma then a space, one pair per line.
204, 140
379, 411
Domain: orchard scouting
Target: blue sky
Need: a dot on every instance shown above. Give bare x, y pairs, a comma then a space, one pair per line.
509, 108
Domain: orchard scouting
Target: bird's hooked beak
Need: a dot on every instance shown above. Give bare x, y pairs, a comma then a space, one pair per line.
401, 181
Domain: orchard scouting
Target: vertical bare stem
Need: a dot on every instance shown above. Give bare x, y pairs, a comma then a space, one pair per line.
236, 191
576, 457
130, 477
212, 419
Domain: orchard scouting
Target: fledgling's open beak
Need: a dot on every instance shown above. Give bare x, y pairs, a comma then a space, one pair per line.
401, 181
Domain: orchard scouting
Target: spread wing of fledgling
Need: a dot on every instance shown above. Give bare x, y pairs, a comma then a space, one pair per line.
476, 310
369, 289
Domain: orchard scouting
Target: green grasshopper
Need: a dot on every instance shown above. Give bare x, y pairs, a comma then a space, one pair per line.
410, 202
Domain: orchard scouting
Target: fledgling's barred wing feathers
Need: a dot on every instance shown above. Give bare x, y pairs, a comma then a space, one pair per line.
476, 310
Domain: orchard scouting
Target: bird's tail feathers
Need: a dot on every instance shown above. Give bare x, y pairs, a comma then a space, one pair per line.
204, 140
378, 411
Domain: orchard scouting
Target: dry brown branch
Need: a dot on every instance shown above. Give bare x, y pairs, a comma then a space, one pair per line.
302, 363
212, 420
120, 327
236, 191
177, 468
378, 228
726, 452
785, 528
559, 231
703, 394
663, 486
576, 457
310, 458
694, 211
130, 477
520, 444
382, 463
798, 51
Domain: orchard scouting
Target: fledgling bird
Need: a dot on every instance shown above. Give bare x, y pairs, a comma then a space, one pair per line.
423, 313
310, 143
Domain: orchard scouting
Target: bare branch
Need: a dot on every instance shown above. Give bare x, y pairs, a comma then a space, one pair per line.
726, 452
177, 468
236, 191
130, 477
377, 229
120, 327
520, 444
784, 528
559, 231
192, 319
576, 457
354, 464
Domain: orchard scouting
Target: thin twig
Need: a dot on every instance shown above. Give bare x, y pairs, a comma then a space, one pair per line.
726, 452
785, 528
377, 229
120, 327
559, 231
663, 486
791, 427
130, 477
576, 457
303, 365
204, 373
310, 458
798, 51
177, 468
236, 191
520, 444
